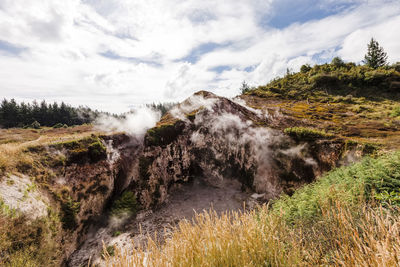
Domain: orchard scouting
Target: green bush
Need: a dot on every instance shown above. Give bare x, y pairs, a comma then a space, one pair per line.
125, 204
338, 62
305, 68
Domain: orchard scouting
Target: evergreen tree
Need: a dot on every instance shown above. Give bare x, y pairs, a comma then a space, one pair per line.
375, 56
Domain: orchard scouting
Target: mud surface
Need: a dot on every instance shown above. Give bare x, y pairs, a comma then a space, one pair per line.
183, 202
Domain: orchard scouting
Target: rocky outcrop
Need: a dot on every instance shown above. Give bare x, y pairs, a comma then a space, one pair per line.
217, 138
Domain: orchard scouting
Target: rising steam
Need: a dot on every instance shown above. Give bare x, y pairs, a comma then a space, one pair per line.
134, 124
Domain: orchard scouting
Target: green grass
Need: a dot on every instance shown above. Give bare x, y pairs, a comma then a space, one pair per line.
370, 180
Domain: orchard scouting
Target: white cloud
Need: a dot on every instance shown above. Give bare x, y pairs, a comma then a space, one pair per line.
65, 43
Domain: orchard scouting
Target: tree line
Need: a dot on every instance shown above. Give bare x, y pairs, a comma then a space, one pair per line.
35, 115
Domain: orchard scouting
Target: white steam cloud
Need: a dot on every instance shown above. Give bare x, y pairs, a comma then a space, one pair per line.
193, 103
134, 124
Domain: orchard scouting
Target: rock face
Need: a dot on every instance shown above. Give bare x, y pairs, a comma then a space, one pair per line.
93, 186
216, 139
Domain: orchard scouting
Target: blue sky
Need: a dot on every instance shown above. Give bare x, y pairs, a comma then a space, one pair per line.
115, 54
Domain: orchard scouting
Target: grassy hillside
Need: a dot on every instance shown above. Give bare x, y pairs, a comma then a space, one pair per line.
355, 102
350, 217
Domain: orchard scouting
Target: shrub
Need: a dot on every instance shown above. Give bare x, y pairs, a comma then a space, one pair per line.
338, 62
35, 125
305, 68
125, 204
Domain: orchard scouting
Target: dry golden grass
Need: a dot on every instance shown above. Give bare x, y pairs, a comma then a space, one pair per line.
343, 237
13, 155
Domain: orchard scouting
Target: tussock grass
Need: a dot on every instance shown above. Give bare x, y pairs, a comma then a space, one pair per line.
342, 237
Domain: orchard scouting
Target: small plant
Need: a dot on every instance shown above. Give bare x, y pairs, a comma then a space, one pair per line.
108, 251
395, 112
116, 233
125, 204
305, 68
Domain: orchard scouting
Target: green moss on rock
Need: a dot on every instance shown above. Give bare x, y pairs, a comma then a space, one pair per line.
306, 134
163, 134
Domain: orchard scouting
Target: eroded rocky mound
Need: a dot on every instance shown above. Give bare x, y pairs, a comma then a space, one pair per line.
216, 138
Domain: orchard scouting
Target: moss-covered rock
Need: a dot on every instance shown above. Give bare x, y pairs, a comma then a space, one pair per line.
164, 134
306, 134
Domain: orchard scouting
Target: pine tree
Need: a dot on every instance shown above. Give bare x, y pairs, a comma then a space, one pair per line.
375, 56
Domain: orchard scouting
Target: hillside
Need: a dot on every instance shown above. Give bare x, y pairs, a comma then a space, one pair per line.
291, 150
355, 102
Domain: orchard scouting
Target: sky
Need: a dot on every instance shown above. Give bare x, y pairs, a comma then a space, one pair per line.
114, 55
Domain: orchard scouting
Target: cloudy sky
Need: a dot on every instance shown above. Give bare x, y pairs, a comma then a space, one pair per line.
116, 54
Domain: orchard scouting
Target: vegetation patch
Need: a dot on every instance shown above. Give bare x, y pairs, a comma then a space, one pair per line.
395, 112
80, 151
306, 134
27, 243
69, 210
371, 179
164, 134
126, 204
